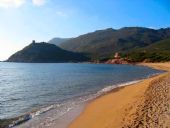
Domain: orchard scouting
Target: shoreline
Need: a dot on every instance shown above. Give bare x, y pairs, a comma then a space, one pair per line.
103, 109
64, 120
72, 115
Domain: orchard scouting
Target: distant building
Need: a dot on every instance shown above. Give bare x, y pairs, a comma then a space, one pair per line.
117, 56
117, 60
33, 41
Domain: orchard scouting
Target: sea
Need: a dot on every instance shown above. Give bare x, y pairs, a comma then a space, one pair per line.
37, 88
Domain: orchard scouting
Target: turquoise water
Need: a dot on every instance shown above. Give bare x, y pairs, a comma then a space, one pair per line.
24, 87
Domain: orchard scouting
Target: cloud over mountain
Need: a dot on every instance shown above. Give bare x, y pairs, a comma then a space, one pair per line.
18, 3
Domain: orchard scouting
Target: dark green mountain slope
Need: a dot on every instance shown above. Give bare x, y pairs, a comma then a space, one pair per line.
46, 53
157, 52
163, 45
103, 43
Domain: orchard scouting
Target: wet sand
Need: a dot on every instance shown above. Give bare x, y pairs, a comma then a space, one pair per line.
145, 104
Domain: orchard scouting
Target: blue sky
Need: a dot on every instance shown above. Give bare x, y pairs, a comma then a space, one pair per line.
21, 21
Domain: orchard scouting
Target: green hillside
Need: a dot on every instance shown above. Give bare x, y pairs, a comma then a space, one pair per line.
104, 43
134, 43
157, 52
45, 53
163, 45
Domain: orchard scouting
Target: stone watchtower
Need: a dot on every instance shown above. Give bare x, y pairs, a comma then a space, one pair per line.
33, 41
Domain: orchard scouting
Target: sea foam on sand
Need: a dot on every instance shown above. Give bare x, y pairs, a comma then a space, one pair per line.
61, 115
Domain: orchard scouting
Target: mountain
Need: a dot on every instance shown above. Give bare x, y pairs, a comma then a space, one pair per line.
163, 45
138, 43
58, 41
157, 52
104, 43
45, 53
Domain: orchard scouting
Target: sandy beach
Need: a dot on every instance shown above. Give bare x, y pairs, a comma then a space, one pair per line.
145, 104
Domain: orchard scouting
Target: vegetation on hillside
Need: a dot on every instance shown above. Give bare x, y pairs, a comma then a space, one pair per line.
157, 52
135, 44
45, 53
104, 43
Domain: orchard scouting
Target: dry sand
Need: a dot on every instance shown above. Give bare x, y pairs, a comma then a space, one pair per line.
161, 66
145, 104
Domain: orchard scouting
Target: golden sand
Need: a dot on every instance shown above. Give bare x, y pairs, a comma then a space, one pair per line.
113, 109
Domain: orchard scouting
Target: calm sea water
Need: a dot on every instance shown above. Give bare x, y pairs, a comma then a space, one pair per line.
24, 87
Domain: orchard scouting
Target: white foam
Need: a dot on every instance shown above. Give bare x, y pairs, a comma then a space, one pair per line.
63, 108
110, 88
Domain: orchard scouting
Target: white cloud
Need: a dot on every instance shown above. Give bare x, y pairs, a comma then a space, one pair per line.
61, 14
38, 2
18, 3
11, 3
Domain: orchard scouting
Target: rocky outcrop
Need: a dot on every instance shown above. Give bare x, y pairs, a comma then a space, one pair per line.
116, 61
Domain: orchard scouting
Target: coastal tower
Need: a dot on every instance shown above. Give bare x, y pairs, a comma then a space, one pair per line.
33, 41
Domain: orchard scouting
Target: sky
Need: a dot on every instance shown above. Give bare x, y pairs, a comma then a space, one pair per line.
22, 21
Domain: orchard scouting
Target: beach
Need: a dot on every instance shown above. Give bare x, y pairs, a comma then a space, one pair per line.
129, 104
144, 104
44, 101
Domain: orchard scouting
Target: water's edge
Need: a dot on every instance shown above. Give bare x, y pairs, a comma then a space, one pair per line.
57, 101
113, 90
72, 113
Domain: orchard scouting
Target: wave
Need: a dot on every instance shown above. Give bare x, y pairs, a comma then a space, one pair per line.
110, 88
63, 108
